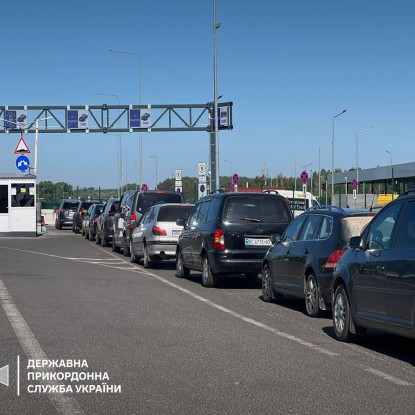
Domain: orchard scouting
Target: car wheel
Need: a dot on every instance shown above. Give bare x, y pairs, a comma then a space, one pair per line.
115, 248
341, 315
60, 226
146, 258
209, 278
91, 236
181, 270
132, 253
126, 249
312, 296
76, 229
85, 234
97, 239
104, 242
266, 284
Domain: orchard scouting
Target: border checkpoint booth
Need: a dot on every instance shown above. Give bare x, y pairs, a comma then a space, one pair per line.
19, 212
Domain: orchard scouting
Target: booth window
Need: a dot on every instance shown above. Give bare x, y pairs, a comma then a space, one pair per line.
4, 198
23, 194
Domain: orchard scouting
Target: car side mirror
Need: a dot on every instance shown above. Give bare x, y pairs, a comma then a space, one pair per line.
275, 238
355, 242
181, 221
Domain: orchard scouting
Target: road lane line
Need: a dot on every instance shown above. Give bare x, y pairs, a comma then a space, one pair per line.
390, 378
64, 404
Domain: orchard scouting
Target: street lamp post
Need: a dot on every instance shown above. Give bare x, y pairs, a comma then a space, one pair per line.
295, 170
276, 176
140, 138
319, 170
214, 145
392, 170
118, 144
155, 158
332, 154
357, 155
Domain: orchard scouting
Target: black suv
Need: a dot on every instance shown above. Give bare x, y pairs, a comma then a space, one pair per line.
64, 215
229, 233
132, 206
374, 282
302, 260
83, 206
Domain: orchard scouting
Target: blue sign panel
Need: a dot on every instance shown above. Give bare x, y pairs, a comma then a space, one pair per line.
135, 121
72, 118
22, 163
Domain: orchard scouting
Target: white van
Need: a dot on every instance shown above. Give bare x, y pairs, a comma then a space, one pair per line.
298, 200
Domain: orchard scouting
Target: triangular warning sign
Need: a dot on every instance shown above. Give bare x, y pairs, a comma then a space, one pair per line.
21, 147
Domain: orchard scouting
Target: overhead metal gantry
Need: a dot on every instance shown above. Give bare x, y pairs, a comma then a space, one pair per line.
121, 118
115, 118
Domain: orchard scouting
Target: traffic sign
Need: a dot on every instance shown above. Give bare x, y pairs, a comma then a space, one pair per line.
354, 184
201, 168
144, 187
21, 147
235, 178
304, 176
179, 189
22, 163
178, 174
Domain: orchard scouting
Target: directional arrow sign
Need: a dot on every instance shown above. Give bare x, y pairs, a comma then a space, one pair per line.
22, 163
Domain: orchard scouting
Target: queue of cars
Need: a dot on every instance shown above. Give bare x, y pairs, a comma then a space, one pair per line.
357, 263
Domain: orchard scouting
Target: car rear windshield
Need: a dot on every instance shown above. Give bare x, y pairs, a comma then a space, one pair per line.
172, 213
257, 209
353, 225
70, 205
146, 200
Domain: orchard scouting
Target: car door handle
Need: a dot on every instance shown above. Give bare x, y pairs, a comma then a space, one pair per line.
306, 251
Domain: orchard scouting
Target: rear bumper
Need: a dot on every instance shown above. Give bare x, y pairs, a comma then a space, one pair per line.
227, 263
165, 249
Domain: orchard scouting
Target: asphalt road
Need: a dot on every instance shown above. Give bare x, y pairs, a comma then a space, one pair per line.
172, 346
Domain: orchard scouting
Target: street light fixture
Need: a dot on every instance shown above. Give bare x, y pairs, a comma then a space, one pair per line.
357, 155
332, 154
118, 144
155, 158
140, 138
319, 170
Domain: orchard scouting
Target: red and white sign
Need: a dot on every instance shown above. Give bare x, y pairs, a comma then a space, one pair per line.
21, 147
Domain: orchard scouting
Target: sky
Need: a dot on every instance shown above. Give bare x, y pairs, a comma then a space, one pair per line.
288, 67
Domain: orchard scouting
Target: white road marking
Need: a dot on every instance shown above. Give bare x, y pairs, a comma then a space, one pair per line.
64, 404
390, 378
221, 308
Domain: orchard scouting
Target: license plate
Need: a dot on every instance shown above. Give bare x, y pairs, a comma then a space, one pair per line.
257, 242
176, 232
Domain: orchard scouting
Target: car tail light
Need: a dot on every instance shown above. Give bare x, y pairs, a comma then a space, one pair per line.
333, 259
219, 240
110, 213
133, 221
158, 231
96, 219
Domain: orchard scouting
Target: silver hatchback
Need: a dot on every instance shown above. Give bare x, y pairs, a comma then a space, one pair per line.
155, 237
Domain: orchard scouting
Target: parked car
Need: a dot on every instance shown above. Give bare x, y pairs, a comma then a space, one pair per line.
132, 206
155, 237
301, 261
83, 206
105, 222
89, 223
229, 233
65, 212
374, 282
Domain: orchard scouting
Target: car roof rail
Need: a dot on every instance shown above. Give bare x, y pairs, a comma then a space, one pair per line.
326, 207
